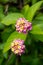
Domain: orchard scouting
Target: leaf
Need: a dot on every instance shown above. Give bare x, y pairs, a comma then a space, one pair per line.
1, 26
26, 1
1, 16
11, 18
5, 55
34, 1
1, 46
13, 9
14, 35
25, 10
37, 31
6, 33
33, 10
4, 1
12, 59
39, 17
1, 60
1, 8
28, 59
35, 61
1, 57
1, 13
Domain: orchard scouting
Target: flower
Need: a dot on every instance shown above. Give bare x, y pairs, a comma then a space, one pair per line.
22, 25
18, 47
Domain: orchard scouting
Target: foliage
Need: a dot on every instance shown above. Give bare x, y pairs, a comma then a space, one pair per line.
33, 39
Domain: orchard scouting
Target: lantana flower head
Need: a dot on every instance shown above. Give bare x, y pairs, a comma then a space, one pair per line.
22, 25
18, 47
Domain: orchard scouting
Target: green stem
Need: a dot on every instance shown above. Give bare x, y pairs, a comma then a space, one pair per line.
6, 9
17, 60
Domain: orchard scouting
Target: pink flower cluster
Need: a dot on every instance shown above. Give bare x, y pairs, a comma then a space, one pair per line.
22, 25
18, 47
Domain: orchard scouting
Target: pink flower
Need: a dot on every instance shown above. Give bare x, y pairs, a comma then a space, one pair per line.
22, 25
18, 47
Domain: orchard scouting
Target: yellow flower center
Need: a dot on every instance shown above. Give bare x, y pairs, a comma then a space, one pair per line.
17, 51
21, 28
15, 46
20, 22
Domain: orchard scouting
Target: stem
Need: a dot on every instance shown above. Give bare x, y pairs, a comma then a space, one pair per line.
6, 9
9, 59
18, 60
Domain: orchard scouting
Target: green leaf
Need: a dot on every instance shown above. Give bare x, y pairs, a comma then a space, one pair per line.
12, 59
11, 18
6, 33
1, 13
34, 1
1, 46
26, 59
1, 9
39, 17
26, 1
1, 26
33, 10
35, 61
1, 60
37, 31
4, 1
13, 9
1, 57
25, 10
5, 55
1, 16
14, 35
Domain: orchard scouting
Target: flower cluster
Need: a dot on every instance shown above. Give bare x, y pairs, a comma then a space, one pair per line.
22, 25
18, 47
